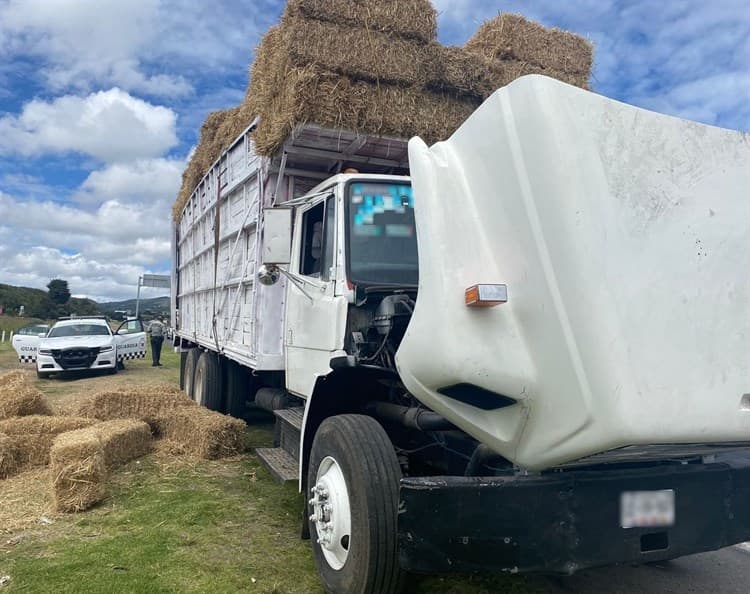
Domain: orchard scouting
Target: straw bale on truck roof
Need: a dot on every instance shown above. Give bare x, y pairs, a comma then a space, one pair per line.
78, 471
203, 433
30, 438
19, 398
415, 19
372, 67
355, 52
145, 404
511, 36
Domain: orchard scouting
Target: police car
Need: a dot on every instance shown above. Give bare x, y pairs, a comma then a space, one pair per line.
76, 344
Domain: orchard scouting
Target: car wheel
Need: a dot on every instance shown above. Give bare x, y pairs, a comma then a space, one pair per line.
353, 478
207, 382
191, 362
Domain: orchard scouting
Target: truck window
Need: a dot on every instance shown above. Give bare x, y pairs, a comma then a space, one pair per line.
312, 241
319, 227
382, 238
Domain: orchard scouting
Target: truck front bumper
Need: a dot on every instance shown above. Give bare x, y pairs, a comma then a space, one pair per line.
565, 522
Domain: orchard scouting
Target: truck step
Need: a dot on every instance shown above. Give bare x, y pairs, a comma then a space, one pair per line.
293, 416
279, 462
288, 430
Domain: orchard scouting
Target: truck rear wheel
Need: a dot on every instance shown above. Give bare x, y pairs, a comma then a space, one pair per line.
207, 388
238, 383
354, 478
188, 375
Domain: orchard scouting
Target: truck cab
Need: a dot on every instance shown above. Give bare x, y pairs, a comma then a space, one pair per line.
354, 242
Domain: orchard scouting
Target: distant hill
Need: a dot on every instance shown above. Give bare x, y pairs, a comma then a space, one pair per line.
148, 307
37, 304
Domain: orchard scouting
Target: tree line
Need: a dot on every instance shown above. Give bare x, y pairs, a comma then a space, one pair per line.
54, 303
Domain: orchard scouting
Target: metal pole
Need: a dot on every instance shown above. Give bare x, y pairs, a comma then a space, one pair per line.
138, 297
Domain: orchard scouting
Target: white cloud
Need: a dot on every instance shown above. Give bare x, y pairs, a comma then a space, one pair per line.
108, 125
157, 47
98, 280
145, 180
85, 42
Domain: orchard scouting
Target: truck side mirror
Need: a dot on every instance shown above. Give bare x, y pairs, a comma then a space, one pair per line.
277, 236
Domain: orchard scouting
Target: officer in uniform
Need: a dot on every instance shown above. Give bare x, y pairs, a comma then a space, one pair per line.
156, 331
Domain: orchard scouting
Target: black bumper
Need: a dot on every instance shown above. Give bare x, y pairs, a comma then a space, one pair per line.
566, 522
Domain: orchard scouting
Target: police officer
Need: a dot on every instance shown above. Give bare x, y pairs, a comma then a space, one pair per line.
156, 330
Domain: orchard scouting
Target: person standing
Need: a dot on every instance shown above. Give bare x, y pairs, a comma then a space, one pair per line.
156, 330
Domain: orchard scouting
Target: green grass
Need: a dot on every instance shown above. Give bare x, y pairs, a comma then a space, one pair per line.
13, 323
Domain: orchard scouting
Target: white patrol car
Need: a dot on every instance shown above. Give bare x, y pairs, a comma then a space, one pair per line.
78, 344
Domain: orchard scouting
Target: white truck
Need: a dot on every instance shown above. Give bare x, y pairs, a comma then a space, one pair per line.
532, 354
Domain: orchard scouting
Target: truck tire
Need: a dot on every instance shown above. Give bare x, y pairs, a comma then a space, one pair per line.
238, 384
191, 362
207, 388
354, 480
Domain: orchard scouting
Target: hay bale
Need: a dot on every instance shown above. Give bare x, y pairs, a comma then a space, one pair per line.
363, 55
203, 433
19, 398
78, 471
454, 70
32, 436
311, 94
513, 37
504, 72
415, 19
144, 404
122, 440
9, 463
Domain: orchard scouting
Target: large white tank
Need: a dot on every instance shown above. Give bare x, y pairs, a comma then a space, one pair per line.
623, 237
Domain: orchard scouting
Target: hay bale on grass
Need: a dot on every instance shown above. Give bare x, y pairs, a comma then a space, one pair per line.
80, 460
369, 56
122, 440
78, 471
19, 398
513, 37
416, 19
9, 463
32, 436
144, 404
203, 433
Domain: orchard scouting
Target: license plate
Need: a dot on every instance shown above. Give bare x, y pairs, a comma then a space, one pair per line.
642, 509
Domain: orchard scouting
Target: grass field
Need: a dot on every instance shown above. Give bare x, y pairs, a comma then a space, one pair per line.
172, 524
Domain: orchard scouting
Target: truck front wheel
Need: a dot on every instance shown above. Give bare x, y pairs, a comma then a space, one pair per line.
353, 478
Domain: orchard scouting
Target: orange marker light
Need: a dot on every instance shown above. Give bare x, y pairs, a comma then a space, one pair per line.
486, 295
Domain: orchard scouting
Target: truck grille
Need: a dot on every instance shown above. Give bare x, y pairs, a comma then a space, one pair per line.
75, 357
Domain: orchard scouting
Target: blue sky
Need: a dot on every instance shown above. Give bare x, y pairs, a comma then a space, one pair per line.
101, 102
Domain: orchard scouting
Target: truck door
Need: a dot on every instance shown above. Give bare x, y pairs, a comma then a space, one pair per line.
130, 339
315, 317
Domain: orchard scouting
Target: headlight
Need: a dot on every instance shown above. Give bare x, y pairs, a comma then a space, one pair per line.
105, 349
45, 351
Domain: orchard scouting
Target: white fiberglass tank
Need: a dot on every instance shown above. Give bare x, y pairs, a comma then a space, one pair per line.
623, 237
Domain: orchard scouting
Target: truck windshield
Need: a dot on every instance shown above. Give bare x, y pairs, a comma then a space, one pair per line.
382, 242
